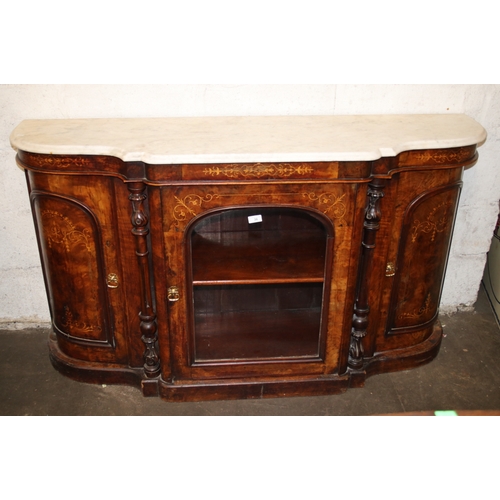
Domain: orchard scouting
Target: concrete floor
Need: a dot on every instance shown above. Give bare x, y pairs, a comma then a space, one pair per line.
464, 376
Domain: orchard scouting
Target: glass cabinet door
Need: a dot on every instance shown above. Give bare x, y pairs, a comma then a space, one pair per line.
258, 284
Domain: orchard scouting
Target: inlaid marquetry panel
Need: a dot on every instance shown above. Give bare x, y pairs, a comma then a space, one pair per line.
69, 235
437, 156
422, 257
260, 171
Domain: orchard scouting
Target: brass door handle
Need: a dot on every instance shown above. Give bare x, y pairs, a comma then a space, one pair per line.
173, 294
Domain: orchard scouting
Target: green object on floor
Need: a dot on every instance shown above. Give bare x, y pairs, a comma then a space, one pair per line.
445, 413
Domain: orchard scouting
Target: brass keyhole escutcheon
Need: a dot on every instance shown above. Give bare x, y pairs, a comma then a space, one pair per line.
173, 294
390, 269
112, 280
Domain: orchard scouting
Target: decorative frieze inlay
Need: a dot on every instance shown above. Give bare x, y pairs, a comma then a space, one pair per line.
443, 156
54, 161
258, 170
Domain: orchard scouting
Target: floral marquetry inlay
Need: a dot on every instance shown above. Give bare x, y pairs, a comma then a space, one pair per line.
436, 222
69, 322
329, 204
444, 156
190, 206
55, 161
61, 231
422, 312
278, 171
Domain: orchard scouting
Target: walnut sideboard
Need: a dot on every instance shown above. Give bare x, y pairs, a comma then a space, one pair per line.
244, 257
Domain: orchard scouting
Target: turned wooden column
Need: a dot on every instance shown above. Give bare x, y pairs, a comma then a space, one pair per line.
147, 315
361, 306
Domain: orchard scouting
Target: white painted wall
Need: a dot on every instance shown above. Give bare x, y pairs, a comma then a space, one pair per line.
22, 293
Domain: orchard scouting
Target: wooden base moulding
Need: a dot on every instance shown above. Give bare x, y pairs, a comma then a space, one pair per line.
256, 388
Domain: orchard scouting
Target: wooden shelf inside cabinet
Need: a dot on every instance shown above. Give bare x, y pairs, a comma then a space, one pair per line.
258, 257
259, 245
257, 335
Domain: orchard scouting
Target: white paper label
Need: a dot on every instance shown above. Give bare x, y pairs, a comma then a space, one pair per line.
254, 218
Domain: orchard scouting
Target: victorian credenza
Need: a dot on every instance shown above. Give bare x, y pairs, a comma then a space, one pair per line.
244, 257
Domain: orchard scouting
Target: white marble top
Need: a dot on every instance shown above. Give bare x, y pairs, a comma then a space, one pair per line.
247, 139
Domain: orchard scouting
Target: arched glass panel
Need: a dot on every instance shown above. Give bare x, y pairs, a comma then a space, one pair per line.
258, 277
